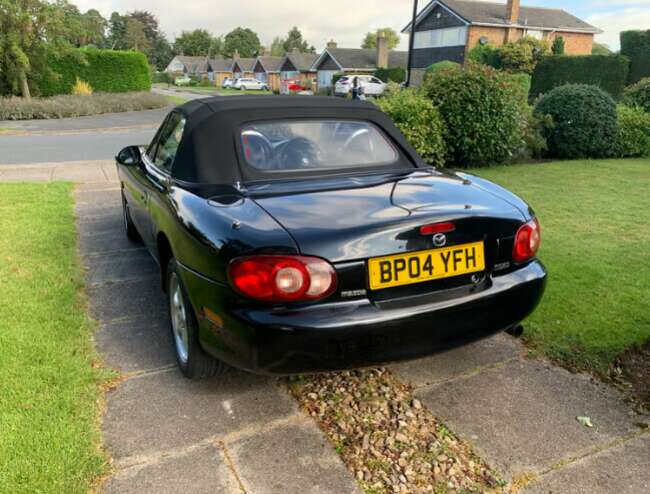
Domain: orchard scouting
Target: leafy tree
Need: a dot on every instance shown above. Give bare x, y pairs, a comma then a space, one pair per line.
216, 47
277, 47
161, 53
558, 46
194, 43
523, 55
295, 41
600, 49
135, 37
370, 41
244, 40
116, 32
31, 31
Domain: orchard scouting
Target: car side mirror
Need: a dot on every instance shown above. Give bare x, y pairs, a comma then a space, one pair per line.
129, 156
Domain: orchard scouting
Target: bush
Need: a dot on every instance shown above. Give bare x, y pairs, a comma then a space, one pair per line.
418, 119
109, 71
558, 46
481, 114
82, 88
639, 94
609, 72
633, 132
440, 66
635, 45
62, 106
396, 74
519, 84
584, 121
485, 55
523, 55
162, 78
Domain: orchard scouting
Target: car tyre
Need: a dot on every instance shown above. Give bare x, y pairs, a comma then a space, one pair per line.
192, 360
129, 227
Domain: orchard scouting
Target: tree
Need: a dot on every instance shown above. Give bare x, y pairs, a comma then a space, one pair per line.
523, 55
194, 43
216, 47
244, 40
295, 42
600, 49
135, 37
558, 46
161, 53
94, 27
32, 31
277, 47
116, 32
370, 41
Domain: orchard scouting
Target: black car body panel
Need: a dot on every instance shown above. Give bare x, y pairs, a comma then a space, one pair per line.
205, 218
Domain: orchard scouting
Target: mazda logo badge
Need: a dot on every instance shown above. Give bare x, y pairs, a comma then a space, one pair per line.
439, 239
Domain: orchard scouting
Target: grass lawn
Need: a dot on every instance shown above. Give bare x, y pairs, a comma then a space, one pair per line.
595, 218
49, 437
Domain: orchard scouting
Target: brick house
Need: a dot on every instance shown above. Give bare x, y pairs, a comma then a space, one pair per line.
296, 65
448, 29
267, 70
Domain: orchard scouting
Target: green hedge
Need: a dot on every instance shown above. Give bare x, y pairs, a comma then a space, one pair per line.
396, 74
107, 71
609, 72
635, 45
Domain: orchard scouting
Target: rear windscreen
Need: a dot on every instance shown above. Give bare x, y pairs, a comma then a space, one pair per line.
313, 145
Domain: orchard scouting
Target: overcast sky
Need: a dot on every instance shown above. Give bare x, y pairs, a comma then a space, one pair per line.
346, 21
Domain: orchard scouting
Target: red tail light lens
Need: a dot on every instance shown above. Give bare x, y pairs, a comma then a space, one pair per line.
527, 241
437, 228
282, 278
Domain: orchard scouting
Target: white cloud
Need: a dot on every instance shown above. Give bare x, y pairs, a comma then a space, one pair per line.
615, 22
343, 20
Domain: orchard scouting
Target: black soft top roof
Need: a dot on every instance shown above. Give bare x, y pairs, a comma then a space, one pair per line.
208, 153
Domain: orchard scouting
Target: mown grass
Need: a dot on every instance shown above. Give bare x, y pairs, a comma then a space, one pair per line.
595, 218
68, 105
49, 437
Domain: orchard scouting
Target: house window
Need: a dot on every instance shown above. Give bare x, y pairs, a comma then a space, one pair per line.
440, 38
535, 34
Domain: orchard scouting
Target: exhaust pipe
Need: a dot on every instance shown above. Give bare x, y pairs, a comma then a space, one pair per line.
515, 331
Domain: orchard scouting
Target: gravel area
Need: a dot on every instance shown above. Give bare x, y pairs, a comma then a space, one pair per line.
387, 438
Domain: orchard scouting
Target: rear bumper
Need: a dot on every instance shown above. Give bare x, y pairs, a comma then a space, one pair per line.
361, 333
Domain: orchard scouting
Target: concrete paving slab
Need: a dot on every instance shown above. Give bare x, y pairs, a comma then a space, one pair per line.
453, 363
101, 224
11, 174
294, 458
202, 470
87, 210
143, 298
165, 411
136, 345
83, 172
522, 416
624, 470
121, 266
89, 196
110, 241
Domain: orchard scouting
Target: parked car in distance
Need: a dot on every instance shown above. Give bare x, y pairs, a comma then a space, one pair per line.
183, 81
370, 84
250, 84
227, 82
290, 86
303, 234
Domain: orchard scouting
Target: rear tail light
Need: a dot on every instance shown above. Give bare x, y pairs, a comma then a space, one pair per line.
527, 241
437, 228
282, 278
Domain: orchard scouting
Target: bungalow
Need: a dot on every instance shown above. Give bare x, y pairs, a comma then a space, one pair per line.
219, 69
186, 65
296, 65
243, 67
448, 29
267, 70
356, 61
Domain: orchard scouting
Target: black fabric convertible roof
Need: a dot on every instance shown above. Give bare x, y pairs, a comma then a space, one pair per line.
208, 153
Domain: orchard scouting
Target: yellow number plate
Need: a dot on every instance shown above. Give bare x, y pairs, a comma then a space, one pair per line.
426, 265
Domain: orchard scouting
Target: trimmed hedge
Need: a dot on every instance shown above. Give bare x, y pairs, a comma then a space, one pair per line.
107, 71
635, 45
633, 132
609, 72
639, 94
585, 123
396, 74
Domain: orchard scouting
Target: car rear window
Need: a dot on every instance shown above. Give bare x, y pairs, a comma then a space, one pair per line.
315, 145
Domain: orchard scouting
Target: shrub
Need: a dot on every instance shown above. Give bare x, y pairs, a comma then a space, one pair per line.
633, 132
523, 55
584, 121
481, 114
82, 88
396, 74
520, 86
162, 77
639, 94
609, 72
635, 45
418, 119
108, 71
558, 46
61, 106
485, 55
440, 66
536, 127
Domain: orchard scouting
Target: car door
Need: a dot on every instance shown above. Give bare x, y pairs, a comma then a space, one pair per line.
374, 86
156, 172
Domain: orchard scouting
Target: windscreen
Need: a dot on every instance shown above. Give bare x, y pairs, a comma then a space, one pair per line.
313, 145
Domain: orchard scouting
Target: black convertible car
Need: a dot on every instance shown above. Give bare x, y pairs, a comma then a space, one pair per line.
302, 234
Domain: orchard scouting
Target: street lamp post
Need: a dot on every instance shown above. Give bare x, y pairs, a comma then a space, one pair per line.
411, 43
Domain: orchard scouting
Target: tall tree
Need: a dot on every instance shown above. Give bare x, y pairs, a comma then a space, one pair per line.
600, 49
370, 41
216, 47
160, 51
277, 47
295, 41
117, 31
94, 27
194, 43
30, 32
244, 40
135, 37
